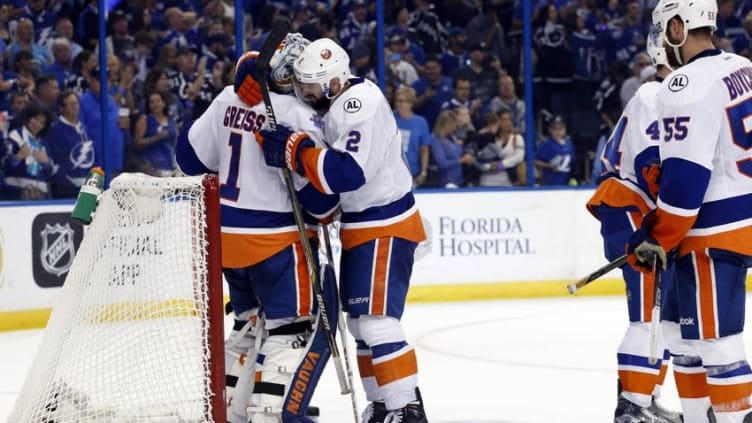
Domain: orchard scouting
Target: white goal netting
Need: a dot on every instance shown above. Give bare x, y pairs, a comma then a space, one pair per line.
128, 340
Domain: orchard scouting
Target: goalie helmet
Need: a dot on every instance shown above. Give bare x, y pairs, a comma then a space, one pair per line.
320, 62
693, 13
282, 61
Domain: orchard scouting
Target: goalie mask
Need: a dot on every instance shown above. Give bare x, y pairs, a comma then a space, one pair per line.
693, 13
281, 63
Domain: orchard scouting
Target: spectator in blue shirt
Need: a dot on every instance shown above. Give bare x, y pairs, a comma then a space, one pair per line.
455, 55
449, 155
26, 164
155, 135
91, 116
71, 149
416, 139
555, 156
433, 89
62, 65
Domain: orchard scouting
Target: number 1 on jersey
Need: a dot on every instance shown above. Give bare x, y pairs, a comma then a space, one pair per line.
229, 190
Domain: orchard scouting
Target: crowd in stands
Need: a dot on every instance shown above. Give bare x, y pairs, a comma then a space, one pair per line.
454, 76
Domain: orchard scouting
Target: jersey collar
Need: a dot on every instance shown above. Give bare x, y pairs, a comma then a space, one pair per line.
705, 53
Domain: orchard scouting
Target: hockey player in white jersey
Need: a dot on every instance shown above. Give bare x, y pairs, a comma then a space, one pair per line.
262, 256
703, 213
626, 193
381, 225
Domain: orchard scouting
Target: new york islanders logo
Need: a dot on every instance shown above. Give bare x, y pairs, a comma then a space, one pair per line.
326, 54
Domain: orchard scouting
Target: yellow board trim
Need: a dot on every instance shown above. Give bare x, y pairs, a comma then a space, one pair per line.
35, 319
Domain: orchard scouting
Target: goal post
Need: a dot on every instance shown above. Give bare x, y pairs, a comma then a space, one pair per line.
137, 332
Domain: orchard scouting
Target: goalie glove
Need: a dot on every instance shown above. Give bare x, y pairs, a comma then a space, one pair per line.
283, 146
246, 86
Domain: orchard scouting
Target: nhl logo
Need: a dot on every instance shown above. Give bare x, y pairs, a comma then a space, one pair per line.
58, 249
678, 82
326, 54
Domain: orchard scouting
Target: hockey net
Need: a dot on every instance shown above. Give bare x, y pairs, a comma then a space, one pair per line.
137, 333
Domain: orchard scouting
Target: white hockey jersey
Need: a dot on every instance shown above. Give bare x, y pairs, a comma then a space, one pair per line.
705, 200
631, 149
365, 165
256, 212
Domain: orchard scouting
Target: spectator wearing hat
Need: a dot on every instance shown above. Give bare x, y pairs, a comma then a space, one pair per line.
555, 156
120, 42
482, 71
186, 79
416, 138
455, 56
62, 65
93, 120
429, 32
398, 42
485, 28
355, 25
433, 90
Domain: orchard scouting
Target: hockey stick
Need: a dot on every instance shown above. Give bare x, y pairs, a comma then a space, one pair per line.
618, 262
342, 330
276, 35
655, 318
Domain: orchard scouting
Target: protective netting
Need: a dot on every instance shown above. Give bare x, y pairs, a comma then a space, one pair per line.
127, 340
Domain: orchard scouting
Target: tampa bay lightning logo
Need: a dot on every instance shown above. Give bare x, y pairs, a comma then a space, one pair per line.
82, 155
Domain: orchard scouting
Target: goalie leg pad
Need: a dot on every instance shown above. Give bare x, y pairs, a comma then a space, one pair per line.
240, 356
290, 364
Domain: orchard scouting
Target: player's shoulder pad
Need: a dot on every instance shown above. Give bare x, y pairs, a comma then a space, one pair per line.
359, 102
647, 93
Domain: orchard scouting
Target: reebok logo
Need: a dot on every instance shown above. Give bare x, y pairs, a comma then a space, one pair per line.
300, 384
686, 321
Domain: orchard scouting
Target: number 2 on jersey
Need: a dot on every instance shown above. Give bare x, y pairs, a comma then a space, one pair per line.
742, 137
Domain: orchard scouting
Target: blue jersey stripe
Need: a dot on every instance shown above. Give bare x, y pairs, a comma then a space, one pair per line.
727, 210
186, 156
316, 202
341, 172
635, 360
247, 218
381, 212
683, 183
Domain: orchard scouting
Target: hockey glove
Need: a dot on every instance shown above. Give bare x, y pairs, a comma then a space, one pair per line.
642, 250
652, 176
282, 147
246, 86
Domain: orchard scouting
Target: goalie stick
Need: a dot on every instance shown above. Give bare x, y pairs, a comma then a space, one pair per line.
618, 262
277, 33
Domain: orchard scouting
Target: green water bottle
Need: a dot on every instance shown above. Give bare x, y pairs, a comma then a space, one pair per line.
87, 196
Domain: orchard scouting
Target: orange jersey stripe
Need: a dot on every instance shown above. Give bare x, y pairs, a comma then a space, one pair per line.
662, 373
707, 298
399, 367
242, 250
637, 382
736, 240
691, 385
365, 366
669, 229
309, 158
410, 228
617, 194
380, 275
730, 397
303, 281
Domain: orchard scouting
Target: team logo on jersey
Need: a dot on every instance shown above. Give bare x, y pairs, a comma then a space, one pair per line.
678, 82
352, 105
326, 54
54, 244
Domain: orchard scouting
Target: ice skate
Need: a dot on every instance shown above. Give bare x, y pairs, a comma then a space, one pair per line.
629, 412
669, 415
375, 412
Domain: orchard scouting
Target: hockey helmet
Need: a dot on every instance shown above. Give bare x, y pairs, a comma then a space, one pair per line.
320, 62
693, 13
